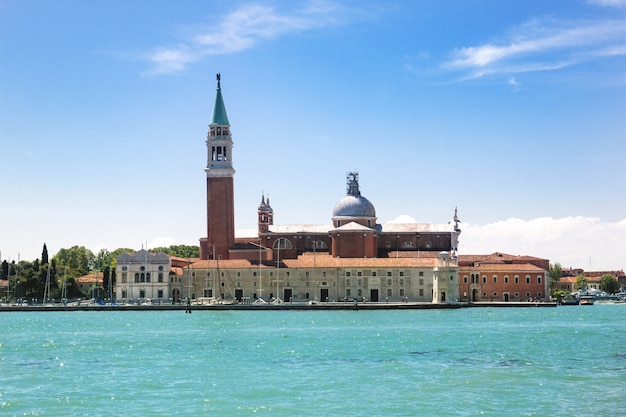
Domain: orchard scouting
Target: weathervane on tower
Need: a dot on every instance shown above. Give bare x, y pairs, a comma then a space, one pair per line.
219, 77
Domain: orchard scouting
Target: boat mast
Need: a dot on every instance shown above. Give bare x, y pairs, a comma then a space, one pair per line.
46, 290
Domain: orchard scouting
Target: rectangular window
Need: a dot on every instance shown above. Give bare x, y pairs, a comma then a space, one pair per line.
389, 292
421, 281
389, 282
348, 292
160, 293
527, 280
401, 292
506, 280
538, 279
516, 279
388, 273
484, 279
421, 292
401, 273
495, 280
465, 279
359, 274
421, 274
401, 282
348, 273
374, 273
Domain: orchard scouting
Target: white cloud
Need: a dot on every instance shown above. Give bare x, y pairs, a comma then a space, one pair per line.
608, 3
242, 29
161, 242
404, 218
542, 45
581, 242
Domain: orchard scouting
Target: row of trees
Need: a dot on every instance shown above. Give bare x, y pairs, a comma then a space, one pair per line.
27, 279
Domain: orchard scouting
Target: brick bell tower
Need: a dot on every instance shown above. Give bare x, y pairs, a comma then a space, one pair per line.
220, 201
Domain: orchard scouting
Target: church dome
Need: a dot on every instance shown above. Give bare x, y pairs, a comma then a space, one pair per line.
354, 206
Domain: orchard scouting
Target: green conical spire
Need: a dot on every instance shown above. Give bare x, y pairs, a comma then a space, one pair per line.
219, 110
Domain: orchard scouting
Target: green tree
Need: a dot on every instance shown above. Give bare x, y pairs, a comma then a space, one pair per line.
609, 284
44, 255
104, 259
581, 283
4, 271
78, 260
181, 251
556, 272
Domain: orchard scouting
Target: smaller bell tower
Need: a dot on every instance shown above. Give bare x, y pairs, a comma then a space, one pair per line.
265, 215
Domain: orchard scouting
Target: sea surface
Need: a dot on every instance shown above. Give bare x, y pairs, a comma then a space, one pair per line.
568, 361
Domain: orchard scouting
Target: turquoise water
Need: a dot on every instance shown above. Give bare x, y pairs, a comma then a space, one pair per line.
481, 361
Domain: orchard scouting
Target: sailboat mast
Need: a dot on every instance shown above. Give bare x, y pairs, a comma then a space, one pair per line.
46, 290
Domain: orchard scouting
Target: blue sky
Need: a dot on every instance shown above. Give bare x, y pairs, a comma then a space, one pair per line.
511, 111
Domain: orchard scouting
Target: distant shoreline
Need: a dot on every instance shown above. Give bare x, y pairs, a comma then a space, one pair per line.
275, 307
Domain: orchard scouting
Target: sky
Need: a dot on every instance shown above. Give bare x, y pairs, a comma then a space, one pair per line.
512, 112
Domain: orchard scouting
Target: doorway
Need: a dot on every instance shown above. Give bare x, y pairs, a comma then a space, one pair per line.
374, 295
288, 294
324, 294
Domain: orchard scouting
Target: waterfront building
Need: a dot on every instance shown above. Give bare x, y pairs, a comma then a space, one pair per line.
593, 279
503, 277
145, 276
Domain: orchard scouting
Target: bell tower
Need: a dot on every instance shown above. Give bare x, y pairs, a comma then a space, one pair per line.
219, 185
265, 216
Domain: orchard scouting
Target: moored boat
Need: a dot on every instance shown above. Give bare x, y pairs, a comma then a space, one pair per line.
586, 300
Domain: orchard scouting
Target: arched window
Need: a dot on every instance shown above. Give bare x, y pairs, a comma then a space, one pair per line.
319, 244
282, 243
